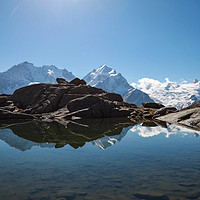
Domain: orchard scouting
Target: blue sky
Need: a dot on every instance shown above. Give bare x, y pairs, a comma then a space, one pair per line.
139, 38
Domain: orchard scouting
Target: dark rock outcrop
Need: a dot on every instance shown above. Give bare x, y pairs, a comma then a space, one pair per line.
164, 111
187, 117
78, 81
152, 105
66, 100
74, 100
195, 105
61, 81
4, 98
45, 98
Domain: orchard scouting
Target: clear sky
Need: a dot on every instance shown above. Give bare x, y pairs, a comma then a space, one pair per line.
139, 38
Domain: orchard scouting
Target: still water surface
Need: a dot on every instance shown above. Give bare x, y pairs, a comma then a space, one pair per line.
99, 161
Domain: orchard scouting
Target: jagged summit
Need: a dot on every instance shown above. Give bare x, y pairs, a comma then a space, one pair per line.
20, 66
105, 69
99, 74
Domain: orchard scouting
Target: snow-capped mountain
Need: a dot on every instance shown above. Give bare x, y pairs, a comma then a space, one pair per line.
26, 73
171, 93
109, 80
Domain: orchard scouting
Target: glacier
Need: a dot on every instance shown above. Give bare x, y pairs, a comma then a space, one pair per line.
169, 93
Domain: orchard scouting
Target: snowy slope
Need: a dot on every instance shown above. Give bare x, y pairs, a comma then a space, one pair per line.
171, 93
109, 80
25, 73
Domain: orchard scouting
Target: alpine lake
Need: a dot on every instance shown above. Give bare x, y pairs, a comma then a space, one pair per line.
98, 159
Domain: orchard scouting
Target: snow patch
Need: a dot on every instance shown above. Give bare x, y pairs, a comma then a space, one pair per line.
33, 83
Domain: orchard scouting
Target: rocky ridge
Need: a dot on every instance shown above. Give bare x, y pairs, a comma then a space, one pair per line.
188, 117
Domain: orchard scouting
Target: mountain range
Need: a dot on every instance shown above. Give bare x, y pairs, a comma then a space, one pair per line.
179, 95
104, 77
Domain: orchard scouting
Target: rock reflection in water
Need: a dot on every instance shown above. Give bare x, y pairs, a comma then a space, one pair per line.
54, 134
103, 133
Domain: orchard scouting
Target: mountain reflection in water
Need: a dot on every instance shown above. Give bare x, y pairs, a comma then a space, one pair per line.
101, 132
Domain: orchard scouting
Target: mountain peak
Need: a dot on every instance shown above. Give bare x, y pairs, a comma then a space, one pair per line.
25, 63
99, 75
105, 69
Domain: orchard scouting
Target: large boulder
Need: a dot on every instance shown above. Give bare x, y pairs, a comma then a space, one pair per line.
95, 107
112, 96
40, 98
86, 102
78, 81
61, 81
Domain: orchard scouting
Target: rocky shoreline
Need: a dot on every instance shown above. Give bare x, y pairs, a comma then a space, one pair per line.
188, 117
76, 100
